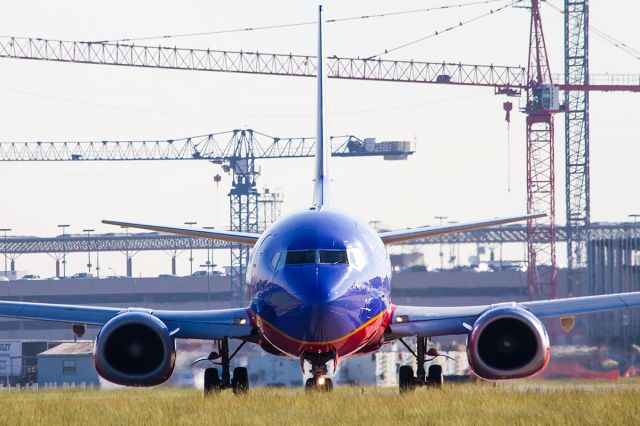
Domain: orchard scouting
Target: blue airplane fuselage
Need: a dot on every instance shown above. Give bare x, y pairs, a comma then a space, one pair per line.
319, 281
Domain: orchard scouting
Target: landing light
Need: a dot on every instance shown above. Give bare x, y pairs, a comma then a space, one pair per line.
321, 381
402, 318
240, 321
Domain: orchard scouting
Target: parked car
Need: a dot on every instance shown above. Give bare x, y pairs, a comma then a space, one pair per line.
167, 276
81, 276
30, 277
204, 273
4, 279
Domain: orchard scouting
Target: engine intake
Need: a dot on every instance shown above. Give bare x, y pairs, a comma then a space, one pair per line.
507, 343
135, 349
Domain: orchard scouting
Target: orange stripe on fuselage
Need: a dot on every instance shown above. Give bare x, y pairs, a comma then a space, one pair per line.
304, 342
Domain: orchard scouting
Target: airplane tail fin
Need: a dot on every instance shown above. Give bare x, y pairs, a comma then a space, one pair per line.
321, 194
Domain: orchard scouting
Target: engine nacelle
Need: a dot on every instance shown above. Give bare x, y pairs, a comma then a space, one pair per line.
507, 343
135, 349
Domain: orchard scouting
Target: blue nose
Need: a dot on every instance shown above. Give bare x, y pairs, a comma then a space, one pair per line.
316, 284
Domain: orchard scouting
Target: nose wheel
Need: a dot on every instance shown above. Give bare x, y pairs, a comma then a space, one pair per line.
318, 361
320, 383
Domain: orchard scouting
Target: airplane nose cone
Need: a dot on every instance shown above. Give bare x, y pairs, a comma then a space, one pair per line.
318, 305
317, 284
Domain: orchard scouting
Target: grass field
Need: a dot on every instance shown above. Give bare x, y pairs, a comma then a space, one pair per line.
539, 402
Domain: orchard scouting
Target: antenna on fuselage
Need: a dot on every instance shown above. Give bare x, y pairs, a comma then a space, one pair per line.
323, 143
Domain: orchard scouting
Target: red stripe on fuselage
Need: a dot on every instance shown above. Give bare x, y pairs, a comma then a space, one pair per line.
368, 335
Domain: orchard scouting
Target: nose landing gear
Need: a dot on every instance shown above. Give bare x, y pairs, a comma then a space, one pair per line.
319, 370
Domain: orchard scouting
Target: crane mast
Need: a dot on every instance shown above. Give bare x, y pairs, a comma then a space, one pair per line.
576, 130
542, 103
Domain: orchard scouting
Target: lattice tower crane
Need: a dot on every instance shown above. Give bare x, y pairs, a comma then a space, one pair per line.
237, 152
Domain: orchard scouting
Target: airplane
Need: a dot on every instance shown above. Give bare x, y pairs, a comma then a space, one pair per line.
319, 280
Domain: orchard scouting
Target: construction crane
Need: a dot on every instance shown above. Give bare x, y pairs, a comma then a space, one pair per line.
543, 101
536, 81
236, 151
576, 136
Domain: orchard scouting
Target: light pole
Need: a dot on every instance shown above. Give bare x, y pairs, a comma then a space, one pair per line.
209, 267
97, 247
5, 230
635, 217
88, 231
453, 250
191, 223
129, 265
210, 249
441, 253
64, 250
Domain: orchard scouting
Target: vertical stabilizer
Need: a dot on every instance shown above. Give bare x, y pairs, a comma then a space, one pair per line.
323, 143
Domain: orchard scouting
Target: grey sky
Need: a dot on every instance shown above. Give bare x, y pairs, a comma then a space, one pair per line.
460, 169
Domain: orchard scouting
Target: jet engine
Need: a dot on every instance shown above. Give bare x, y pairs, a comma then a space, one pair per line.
507, 342
135, 349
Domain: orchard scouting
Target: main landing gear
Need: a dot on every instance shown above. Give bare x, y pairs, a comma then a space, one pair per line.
433, 377
319, 370
214, 382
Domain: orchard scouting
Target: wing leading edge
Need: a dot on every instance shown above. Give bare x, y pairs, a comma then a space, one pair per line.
439, 321
210, 324
406, 321
393, 237
232, 236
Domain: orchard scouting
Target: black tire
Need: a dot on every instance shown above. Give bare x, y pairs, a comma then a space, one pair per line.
309, 385
240, 380
434, 376
406, 379
211, 381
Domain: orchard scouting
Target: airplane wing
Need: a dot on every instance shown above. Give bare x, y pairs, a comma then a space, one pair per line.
439, 321
232, 236
210, 324
393, 237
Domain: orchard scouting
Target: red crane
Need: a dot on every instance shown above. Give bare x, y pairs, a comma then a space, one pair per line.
543, 101
541, 104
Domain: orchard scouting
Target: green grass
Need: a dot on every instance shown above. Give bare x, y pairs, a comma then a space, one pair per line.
528, 402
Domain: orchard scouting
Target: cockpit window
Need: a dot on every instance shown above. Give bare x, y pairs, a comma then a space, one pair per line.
301, 257
356, 258
310, 257
333, 257
276, 259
